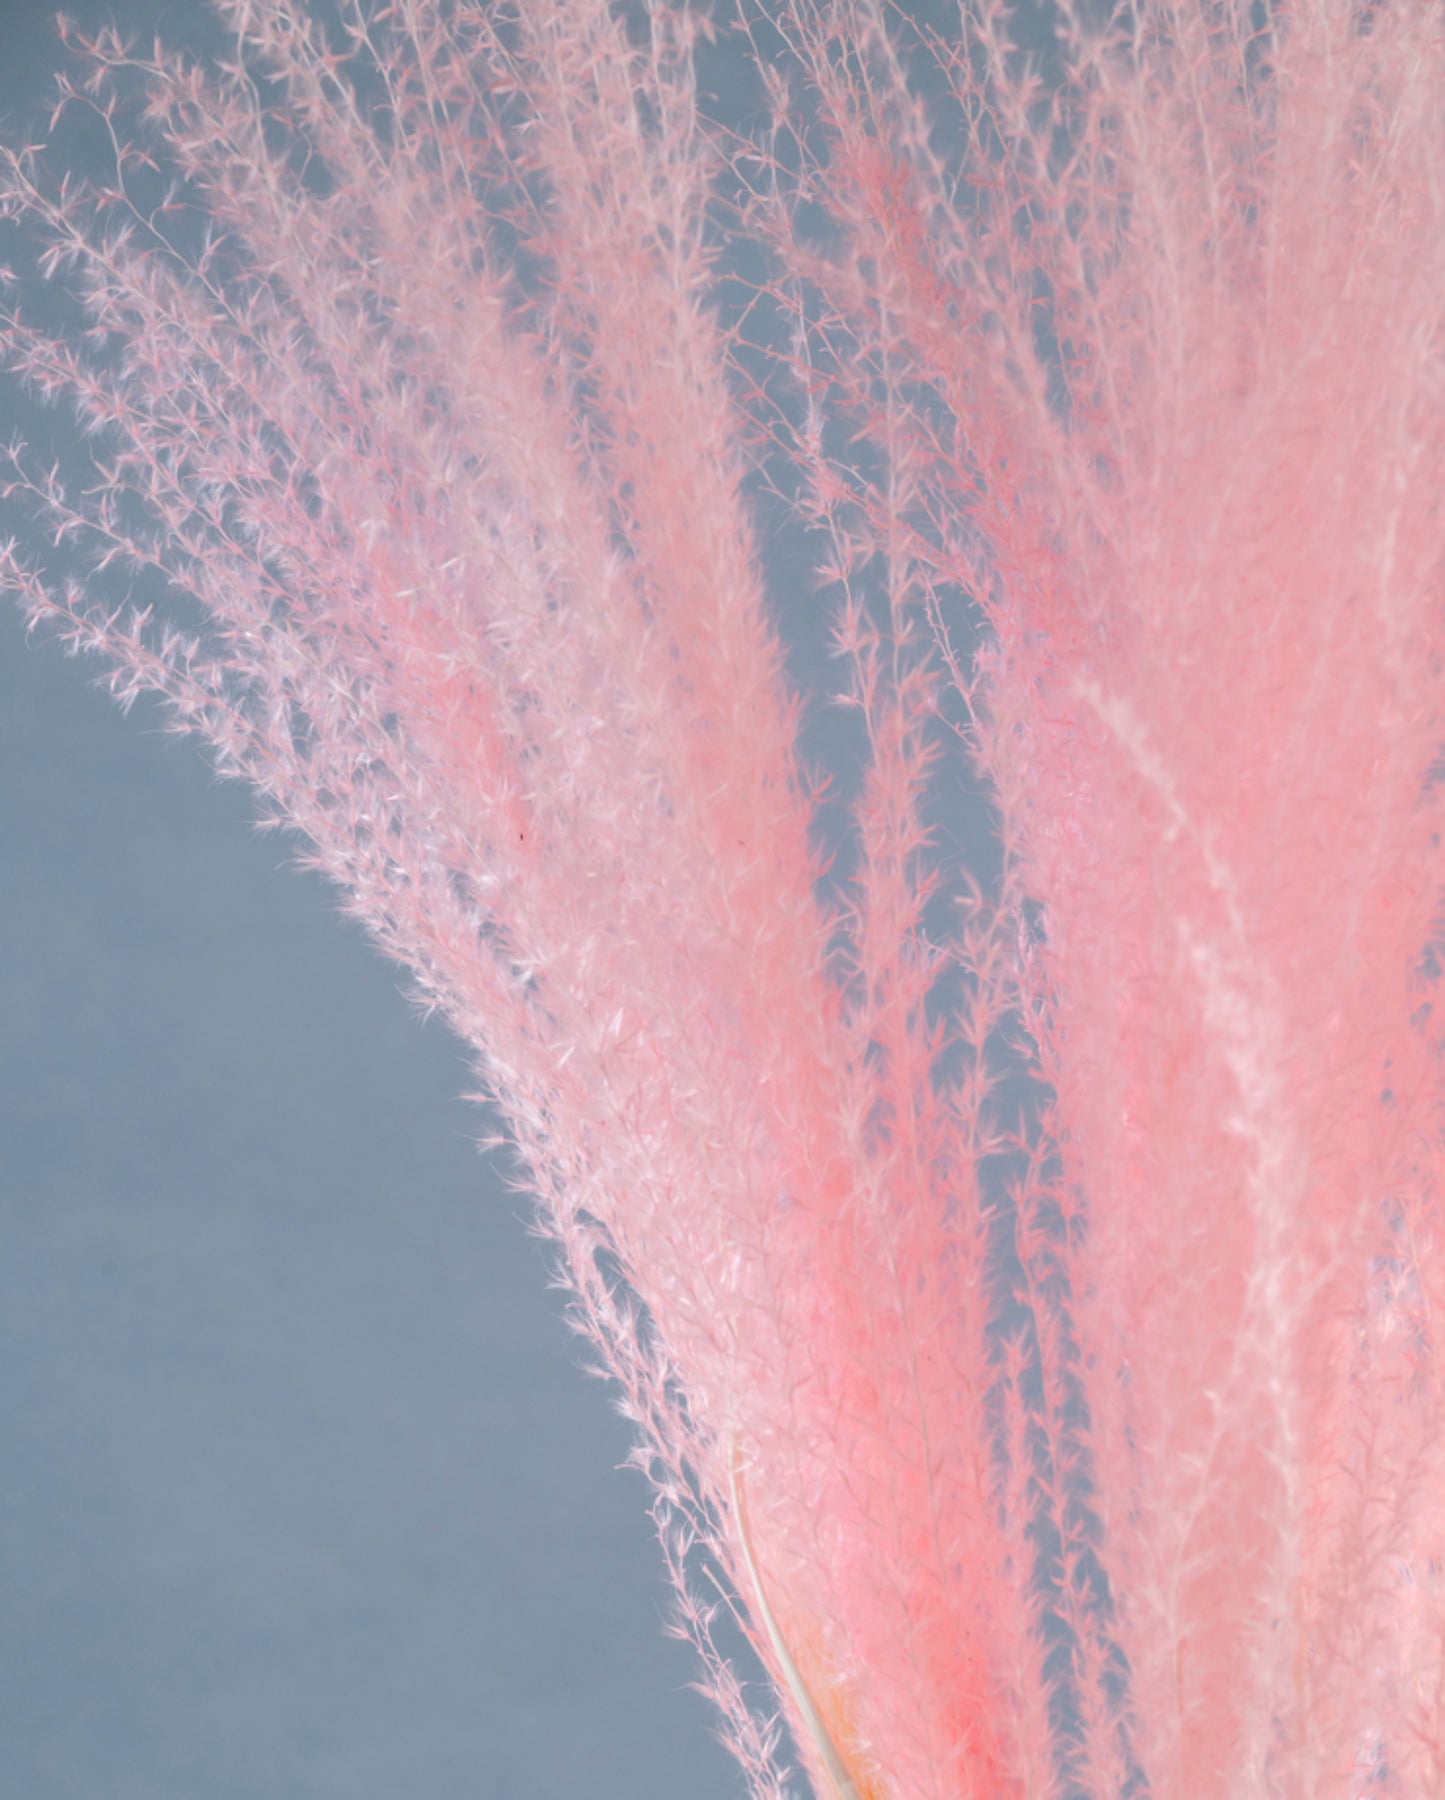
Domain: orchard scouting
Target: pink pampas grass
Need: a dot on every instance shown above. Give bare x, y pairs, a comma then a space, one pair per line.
1032, 1321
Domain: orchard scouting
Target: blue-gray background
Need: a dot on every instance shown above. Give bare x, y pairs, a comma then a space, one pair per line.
304, 1497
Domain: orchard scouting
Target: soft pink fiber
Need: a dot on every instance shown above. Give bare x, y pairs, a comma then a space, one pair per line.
1036, 1320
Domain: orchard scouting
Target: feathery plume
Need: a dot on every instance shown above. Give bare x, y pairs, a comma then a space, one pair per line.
1023, 1283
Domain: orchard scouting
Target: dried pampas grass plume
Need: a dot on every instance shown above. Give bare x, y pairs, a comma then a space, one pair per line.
1055, 1248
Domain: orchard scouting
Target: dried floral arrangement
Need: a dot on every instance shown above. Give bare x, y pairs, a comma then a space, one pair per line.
1023, 1284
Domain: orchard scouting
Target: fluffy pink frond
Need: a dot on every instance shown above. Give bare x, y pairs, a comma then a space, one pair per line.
1031, 1314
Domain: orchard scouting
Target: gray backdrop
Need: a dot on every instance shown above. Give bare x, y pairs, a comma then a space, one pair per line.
303, 1497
